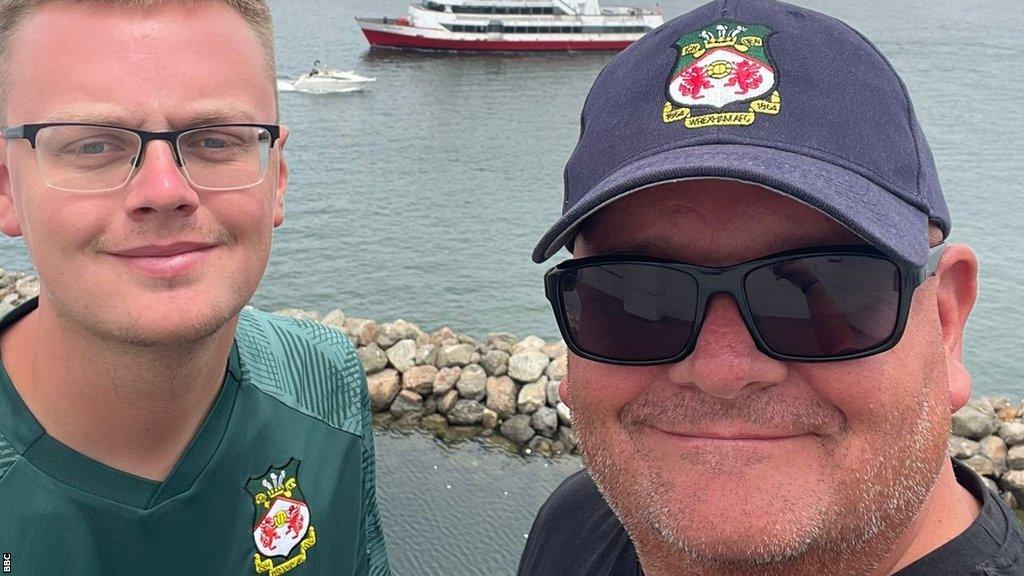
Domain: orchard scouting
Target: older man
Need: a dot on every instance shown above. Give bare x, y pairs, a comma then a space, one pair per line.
148, 424
765, 325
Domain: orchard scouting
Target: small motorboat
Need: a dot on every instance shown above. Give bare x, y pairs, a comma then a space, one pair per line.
324, 79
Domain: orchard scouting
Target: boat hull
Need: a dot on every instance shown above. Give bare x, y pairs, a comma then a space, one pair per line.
408, 37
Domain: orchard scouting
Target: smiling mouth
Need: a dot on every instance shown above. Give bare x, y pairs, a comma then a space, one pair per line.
164, 261
725, 435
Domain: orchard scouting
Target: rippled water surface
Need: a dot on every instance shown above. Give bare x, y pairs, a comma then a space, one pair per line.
423, 196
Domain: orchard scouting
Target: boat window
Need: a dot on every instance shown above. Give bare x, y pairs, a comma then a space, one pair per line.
433, 6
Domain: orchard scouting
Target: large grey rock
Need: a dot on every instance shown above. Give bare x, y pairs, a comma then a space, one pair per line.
557, 369
500, 341
335, 319
390, 333
975, 420
962, 448
495, 362
981, 465
533, 396
1015, 457
363, 330
446, 379
443, 335
564, 414
545, 421
1012, 433
430, 405
518, 428
552, 393
527, 366
455, 355
383, 387
502, 396
402, 354
473, 382
445, 402
528, 344
407, 403
554, 350
568, 437
28, 287
426, 354
490, 420
419, 379
540, 445
1013, 482
373, 358
993, 448
466, 413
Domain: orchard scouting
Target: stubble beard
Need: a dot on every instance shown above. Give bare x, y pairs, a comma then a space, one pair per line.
846, 532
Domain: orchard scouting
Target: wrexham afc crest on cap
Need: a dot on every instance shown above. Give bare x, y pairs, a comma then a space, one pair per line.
723, 77
282, 528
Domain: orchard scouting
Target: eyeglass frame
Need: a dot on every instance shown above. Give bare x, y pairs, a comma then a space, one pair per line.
730, 280
29, 132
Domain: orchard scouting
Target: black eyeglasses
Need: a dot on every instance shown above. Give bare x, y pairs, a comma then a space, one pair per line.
830, 303
80, 157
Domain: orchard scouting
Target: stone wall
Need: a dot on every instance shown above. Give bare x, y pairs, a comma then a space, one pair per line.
507, 389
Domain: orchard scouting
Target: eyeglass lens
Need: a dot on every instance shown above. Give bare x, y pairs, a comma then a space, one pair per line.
809, 307
93, 158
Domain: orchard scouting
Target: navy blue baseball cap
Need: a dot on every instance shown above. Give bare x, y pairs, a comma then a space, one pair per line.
763, 92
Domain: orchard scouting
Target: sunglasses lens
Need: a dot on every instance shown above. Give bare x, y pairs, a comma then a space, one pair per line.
629, 312
825, 306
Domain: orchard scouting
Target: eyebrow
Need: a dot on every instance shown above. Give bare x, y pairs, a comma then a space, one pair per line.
205, 114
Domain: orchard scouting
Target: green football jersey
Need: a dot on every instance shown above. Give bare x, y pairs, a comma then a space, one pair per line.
278, 480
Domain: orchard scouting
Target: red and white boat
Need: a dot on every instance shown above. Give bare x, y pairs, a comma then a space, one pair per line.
512, 25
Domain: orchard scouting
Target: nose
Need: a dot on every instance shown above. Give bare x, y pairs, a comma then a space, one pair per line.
158, 185
726, 363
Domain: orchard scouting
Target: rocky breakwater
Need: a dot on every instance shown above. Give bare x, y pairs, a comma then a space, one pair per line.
988, 436
500, 387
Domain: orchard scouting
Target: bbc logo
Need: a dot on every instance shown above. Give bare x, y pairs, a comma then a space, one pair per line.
7, 563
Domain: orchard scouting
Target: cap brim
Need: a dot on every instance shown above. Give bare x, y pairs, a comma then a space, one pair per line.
886, 221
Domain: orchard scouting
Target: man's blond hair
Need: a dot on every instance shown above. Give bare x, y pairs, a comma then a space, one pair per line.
13, 12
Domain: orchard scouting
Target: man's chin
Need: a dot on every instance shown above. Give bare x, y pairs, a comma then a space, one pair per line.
746, 544
172, 320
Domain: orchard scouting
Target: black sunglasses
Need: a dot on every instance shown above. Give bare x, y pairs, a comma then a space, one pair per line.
812, 305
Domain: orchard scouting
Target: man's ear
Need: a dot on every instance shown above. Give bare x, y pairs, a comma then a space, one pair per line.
955, 294
282, 178
9, 223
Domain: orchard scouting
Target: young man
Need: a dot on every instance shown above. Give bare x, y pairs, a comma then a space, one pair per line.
765, 326
148, 423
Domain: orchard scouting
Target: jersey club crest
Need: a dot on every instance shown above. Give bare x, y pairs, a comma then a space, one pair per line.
725, 70
282, 527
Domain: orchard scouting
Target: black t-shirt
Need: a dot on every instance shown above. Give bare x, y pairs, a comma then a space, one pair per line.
577, 534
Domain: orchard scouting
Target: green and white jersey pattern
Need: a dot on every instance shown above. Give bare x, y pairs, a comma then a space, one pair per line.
278, 480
